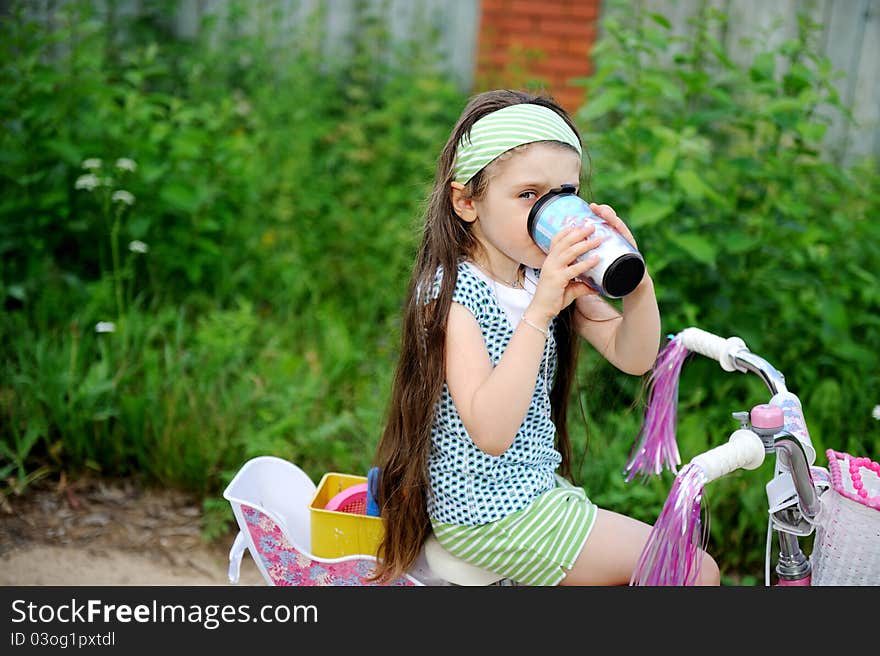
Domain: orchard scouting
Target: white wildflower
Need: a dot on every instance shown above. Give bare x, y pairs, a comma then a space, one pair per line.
126, 164
876, 412
242, 107
123, 196
92, 163
138, 246
88, 182
105, 327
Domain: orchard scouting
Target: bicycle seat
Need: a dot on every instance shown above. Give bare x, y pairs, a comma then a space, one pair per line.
454, 569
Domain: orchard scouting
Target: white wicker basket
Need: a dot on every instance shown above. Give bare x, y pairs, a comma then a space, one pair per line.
846, 550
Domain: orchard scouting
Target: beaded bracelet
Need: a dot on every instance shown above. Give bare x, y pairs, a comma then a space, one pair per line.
543, 331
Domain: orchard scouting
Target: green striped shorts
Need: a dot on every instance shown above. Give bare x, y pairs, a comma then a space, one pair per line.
533, 546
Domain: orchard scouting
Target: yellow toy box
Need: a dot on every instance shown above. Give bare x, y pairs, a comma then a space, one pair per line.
336, 534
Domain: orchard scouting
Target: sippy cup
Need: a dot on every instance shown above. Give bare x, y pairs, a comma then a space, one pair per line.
621, 266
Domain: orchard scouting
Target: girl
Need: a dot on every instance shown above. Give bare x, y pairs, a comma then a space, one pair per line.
477, 423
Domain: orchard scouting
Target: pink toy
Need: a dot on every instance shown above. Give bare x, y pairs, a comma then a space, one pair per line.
352, 500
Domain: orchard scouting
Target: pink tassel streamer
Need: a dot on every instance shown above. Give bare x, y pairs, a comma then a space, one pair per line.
672, 556
657, 447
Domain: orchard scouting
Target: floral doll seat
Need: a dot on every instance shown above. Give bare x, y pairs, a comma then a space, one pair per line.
270, 499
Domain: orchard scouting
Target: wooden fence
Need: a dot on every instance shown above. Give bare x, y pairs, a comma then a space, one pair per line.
850, 39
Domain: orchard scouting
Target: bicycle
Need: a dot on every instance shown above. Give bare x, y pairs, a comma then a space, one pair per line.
275, 502
841, 503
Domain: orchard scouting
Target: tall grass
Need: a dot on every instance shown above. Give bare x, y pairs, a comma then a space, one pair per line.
275, 192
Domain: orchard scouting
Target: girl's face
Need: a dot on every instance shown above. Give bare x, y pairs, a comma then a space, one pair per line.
514, 185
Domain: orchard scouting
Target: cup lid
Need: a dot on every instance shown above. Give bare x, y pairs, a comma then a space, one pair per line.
623, 275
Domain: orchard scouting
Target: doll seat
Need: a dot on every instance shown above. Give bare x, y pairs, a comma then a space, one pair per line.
270, 499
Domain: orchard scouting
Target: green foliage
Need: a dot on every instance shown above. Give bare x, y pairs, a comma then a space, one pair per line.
748, 229
276, 193
254, 282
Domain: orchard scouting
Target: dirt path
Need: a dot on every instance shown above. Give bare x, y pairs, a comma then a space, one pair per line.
110, 533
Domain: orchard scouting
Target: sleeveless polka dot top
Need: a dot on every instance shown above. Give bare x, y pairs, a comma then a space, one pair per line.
467, 486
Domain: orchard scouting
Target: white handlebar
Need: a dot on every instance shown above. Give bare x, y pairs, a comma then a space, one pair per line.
712, 346
744, 450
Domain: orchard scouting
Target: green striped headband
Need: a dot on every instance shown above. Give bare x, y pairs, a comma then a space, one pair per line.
507, 128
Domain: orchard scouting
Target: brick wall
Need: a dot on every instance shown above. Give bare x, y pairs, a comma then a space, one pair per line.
537, 43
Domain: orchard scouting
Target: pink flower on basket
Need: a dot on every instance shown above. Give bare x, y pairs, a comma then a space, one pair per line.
265, 523
324, 578
277, 571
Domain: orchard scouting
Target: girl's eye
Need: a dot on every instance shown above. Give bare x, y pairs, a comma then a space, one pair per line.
528, 195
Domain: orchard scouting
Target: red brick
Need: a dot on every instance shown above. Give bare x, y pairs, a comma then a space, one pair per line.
516, 23
586, 10
571, 67
529, 7
570, 102
496, 58
550, 47
578, 47
551, 9
566, 28
487, 6
546, 67
549, 40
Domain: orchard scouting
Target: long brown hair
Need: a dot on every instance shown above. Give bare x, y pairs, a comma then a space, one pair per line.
402, 454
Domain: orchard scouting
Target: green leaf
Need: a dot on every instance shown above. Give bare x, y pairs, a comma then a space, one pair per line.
67, 151
602, 104
811, 132
664, 162
649, 211
660, 19
694, 187
782, 106
180, 197
697, 247
738, 243
763, 66
34, 432
138, 227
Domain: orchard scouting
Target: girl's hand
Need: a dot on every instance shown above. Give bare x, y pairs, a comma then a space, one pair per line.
557, 286
611, 218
